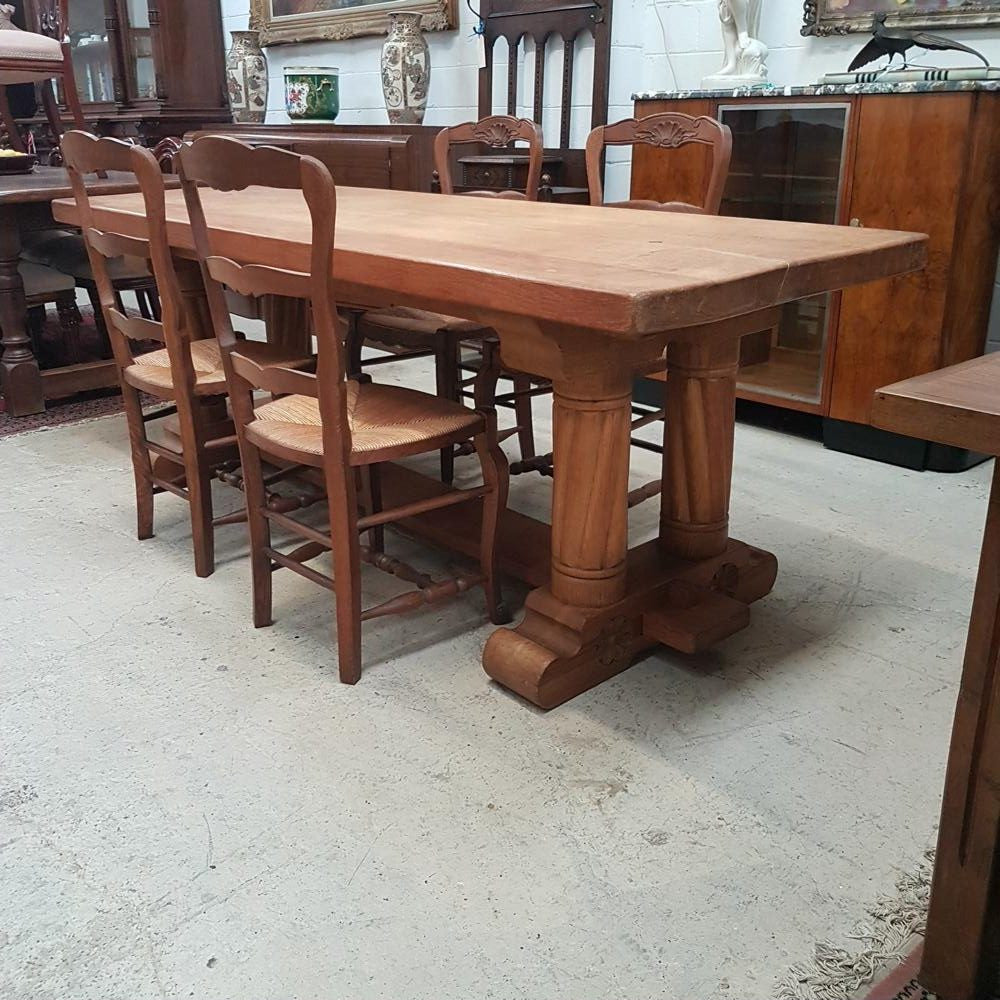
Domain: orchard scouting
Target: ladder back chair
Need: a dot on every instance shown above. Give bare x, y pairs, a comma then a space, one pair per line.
669, 130
38, 56
418, 333
342, 428
187, 371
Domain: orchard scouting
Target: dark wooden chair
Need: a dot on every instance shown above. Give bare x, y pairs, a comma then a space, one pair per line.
186, 371
563, 24
417, 333
38, 56
343, 428
44, 285
670, 130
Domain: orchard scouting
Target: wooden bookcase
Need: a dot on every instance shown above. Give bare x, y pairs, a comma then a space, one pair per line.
923, 162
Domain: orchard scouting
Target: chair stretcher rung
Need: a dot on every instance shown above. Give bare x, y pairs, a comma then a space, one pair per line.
296, 567
420, 507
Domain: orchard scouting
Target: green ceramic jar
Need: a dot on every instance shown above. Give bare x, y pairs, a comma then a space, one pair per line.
312, 93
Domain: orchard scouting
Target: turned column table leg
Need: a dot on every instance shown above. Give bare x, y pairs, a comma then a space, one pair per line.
19, 373
589, 502
698, 448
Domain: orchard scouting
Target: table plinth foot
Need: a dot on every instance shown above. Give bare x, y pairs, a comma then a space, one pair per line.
559, 650
21, 383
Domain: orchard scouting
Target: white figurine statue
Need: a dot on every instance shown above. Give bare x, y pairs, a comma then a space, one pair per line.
745, 60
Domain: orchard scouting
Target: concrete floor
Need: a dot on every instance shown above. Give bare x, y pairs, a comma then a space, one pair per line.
190, 808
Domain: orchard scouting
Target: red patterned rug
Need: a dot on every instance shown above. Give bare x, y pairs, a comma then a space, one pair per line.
73, 409
60, 412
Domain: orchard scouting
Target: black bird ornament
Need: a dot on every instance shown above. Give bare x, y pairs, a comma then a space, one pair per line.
895, 41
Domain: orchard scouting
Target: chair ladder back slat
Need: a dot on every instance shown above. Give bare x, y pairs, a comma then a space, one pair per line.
137, 328
257, 280
225, 163
540, 42
512, 76
566, 109
112, 245
276, 379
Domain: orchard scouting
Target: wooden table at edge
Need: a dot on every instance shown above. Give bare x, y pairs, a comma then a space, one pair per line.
586, 297
24, 206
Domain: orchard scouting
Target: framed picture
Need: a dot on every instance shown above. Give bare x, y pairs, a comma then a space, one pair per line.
282, 22
838, 17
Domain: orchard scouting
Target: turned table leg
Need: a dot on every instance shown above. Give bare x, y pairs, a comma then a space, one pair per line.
19, 374
962, 948
572, 636
589, 502
698, 448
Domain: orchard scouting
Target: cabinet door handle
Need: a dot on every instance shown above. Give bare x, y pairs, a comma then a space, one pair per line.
857, 223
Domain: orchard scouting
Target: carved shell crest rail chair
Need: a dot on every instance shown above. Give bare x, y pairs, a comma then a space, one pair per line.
421, 334
187, 370
556, 24
341, 427
670, 130
38, 57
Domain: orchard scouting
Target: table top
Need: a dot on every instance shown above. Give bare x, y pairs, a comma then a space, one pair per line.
47, 183
959, 406
623, 273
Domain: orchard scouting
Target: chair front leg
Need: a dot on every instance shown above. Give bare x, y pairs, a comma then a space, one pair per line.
259, 529
69, 322
14, 136
192, 420
342, 502
493, 462
446, 366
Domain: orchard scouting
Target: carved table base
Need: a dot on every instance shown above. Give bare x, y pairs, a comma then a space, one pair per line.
559, 650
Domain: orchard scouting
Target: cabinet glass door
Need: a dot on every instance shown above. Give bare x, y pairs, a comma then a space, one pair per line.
787, 164
139, 51
92, 63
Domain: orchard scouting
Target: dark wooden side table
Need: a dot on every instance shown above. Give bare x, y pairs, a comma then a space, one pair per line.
25, 206
960, 406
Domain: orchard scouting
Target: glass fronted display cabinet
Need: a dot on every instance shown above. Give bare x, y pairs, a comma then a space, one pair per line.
875, 156
145, 68
788, 164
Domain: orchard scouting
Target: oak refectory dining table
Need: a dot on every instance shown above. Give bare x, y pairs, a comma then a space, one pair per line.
585, 297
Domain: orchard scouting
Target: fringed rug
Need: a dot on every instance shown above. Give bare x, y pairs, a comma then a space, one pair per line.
885, 941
